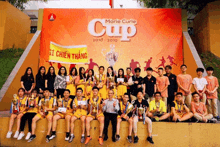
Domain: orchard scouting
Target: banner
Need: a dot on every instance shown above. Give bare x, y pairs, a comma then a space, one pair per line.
68, 54
115, 37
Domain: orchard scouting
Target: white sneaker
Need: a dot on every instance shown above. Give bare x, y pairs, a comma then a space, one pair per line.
67, 138
9, 134
21, 135
28, 136
16, 134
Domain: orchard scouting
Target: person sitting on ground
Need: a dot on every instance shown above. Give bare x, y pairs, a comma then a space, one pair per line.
199, 110
179, 110
158, 109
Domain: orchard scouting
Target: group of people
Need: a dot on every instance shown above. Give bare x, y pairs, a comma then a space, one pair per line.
111, 97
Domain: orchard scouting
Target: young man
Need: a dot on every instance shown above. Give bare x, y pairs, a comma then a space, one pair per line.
32, 109
137, 83
184, 82
149, 87
140, 112
179, 111
101, 82
66, 113
172, 88
46, 107
129, 79
162, 83
158, 109
95, 112
125, 114
211, 92
199, 84
199, 110
80, 113
110, 109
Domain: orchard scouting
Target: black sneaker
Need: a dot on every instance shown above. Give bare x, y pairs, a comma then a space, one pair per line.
113, 139
32, 138
217, 117
47, 138
136, 139
129, 138
67, 136
149, 139
82, 139
177, 120
117, 137
105, 138
71, 138
213, 120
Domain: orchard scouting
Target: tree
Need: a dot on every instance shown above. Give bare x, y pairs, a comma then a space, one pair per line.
192, 6
20, 3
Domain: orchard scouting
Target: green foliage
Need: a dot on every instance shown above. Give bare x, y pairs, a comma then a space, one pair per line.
20, 3
210, 59
8, 59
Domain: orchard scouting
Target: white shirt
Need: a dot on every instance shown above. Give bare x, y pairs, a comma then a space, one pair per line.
200, 83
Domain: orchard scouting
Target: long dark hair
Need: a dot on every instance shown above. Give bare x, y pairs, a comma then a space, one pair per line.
92, 76
72, 71
123, 74
59, 72
80, 73
39, 72
26, 74
113, 74
49, 73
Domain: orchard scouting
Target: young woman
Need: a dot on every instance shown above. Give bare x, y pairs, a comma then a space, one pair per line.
60, 82
70, 80
17, 111
100, 82
50, 78
27, 81
40, 80
121, 84
32, 109
110, 81
90, 80
81, 79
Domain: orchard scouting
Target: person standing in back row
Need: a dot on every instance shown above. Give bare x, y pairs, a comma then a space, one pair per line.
184, 82
172, 88
137, 83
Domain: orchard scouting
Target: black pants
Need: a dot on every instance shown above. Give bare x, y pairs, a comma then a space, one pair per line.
113, 118
27, 116
60, 92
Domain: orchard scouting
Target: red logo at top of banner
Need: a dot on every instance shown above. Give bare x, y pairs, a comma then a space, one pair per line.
52, 17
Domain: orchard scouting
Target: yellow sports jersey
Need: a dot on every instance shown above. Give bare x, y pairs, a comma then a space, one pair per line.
89, 85
66, 104
121, 90
32, 106
49, 103
102, 91
123, 107
21, 104
71, 87
80, 112
82, 86
179, 109
100, 113
153, 105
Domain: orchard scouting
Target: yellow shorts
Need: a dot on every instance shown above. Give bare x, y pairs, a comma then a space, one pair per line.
63, 115
41, 116
79, 113
95, 117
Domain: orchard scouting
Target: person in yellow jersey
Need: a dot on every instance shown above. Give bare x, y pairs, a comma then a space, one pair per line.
31, 108
17, 110
158, 109
71, 82
111, 81
179, 110
101, 81
90, 81
125, 114
46, 107
81, 80
80, 104
64, 112
95, 112
121, 83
